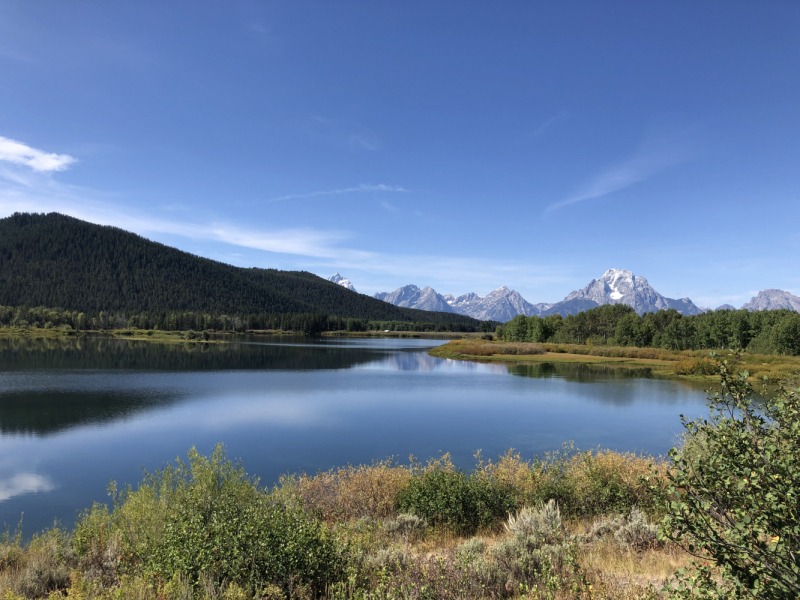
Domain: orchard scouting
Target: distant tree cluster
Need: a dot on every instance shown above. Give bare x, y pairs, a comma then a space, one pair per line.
310, 323
761, 332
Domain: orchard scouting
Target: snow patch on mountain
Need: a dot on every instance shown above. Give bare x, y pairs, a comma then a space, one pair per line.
342, 281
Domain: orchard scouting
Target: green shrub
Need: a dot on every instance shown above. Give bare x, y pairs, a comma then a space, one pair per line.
732, 495
453, 498
207, 522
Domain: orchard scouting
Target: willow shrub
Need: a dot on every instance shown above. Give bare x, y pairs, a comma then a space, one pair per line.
206, 521
456, 499
733, 495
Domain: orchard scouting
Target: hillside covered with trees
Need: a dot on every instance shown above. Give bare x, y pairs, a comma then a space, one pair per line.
54, 260
760, 332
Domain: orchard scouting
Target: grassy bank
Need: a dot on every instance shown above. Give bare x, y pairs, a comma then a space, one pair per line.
424, 335
203, 529
665, 363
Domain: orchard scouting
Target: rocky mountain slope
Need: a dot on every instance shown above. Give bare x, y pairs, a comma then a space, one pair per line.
411, 296
772, 300
342, 281
502, 305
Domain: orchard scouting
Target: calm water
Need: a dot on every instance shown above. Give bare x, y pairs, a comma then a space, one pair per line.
75, 414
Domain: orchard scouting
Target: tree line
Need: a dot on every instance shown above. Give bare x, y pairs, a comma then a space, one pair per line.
759, 332
309, 323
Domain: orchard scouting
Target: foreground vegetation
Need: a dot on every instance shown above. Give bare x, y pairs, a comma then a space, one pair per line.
696, 364
570, 525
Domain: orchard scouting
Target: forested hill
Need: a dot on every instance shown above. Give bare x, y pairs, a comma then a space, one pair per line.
55, 260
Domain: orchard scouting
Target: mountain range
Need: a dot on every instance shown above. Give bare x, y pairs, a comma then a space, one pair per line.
616, 286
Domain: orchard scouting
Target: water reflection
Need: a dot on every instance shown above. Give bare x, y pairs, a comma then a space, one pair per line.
43, 412
76, 413
106, 353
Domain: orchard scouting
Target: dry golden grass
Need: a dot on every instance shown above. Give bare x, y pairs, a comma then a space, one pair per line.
475, 348
350, 492
624, 568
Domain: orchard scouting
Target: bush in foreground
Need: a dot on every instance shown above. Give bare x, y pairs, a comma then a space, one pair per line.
206, 523
733, 495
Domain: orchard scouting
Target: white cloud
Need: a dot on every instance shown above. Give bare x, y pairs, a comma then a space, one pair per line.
24, 483
21, 154
364, 187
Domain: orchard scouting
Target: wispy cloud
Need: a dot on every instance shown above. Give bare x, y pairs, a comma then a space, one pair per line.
655, 156
562, 114
24, 483
18, 153
364, 187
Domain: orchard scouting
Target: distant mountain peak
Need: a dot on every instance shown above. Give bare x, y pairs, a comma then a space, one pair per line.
620, 286
773, 299
410, 296
725, 307
342, 281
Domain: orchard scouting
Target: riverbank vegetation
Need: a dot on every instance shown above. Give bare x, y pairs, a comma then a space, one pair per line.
758, 332
659, 362
23, 318
571, 524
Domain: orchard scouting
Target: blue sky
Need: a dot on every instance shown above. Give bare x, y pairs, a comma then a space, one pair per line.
462, 145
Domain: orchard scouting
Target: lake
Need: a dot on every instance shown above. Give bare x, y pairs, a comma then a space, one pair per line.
77, 413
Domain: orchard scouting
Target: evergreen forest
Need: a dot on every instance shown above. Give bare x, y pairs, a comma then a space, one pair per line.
112, 275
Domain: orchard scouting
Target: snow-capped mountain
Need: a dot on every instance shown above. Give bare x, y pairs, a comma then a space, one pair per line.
614, 287
618, 286
342, 281
411, 296
773, 300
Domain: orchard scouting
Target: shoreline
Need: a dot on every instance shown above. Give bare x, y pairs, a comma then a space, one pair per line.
155, 335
